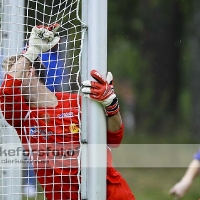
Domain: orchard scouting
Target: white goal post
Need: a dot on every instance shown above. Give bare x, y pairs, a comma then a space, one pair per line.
94, 14
11, 44
83, 47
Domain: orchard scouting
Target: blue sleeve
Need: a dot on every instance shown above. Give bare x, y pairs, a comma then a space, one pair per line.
55, 69
197, 155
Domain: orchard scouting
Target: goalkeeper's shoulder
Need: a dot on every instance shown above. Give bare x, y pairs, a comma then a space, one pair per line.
69, 96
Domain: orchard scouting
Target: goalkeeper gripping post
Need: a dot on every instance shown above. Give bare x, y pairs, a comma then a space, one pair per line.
102, 91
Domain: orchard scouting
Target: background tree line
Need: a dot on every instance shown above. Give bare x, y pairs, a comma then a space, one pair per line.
153, 53
153, 46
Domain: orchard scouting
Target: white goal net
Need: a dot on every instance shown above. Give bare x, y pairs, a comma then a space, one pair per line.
47, 165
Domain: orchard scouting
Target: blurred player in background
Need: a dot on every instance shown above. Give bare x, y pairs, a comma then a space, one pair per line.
46, 120
181, 188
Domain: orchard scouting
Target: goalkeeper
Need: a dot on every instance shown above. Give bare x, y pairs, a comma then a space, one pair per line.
47, 123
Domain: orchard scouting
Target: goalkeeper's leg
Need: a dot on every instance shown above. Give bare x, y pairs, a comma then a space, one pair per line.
119, 190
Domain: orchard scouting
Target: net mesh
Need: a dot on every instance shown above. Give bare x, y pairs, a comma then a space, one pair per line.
40, 158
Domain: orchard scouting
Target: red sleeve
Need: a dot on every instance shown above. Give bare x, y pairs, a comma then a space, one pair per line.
10, 86
114, 138
13, 105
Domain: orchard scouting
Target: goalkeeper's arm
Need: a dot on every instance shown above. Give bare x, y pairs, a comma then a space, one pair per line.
114, 122
41, 40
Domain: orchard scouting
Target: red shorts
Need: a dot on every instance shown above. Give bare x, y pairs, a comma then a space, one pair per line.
66, 187
58, 187
119, 191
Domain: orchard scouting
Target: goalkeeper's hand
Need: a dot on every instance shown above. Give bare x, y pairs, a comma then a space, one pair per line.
101, 91
41, 40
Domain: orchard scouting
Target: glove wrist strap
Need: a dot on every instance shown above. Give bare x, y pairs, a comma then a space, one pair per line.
113, 108
31, 54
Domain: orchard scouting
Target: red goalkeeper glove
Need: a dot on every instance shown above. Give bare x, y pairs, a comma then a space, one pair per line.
52, 27
102, 91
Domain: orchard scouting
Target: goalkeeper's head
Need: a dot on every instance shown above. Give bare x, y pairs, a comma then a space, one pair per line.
9, 62
40, 69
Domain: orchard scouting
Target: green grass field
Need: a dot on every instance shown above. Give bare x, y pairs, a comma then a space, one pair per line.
153, 184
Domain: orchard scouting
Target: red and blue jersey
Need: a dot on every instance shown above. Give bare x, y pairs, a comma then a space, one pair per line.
56, 72
52, 134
